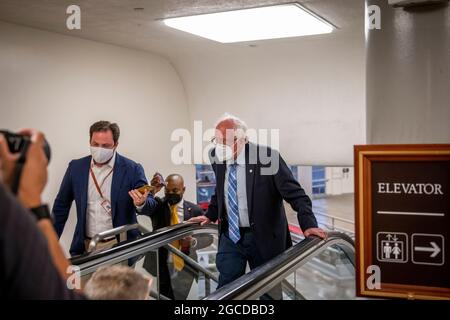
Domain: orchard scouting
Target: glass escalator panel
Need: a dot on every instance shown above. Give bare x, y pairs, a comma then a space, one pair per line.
312, 269
329, 275
187, 273
180, 259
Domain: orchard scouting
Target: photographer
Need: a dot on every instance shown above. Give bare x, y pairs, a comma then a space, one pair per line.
32, 262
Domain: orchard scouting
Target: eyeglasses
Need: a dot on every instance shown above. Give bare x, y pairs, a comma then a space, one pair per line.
215, 142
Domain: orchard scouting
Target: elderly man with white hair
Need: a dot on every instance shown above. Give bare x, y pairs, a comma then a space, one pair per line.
252, 182
118, 282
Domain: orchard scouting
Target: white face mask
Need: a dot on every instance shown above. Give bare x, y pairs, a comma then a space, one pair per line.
224, 152
102, 155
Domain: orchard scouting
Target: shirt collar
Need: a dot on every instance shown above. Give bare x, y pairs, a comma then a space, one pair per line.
179, 204
108, 165
240, 160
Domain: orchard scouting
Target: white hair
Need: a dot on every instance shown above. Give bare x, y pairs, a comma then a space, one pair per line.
239, 125
117, 282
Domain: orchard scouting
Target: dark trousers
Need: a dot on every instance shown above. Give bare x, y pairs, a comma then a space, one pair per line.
165, 285
160, 270
174, 289
232, 258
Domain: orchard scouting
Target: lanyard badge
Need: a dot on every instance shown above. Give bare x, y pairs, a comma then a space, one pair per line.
106, 204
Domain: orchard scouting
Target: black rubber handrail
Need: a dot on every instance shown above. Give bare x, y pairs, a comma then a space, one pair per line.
263, 278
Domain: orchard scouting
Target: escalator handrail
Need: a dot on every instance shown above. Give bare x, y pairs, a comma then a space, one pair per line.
268, 275
130, 248
112, 233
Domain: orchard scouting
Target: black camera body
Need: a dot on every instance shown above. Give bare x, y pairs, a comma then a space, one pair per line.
19, 144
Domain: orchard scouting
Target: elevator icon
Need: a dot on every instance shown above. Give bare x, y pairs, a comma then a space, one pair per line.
392, 247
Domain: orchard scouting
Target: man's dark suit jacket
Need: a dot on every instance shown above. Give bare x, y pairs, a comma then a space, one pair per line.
161, 214
265, 195
160, 219
127, 175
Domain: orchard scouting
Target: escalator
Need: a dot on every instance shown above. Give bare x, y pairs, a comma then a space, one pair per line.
311, 269
196, 280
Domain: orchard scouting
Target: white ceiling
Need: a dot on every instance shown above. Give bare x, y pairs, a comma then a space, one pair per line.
117, 22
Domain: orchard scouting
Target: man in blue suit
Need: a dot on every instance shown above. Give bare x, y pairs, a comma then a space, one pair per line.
103, 186
252, 182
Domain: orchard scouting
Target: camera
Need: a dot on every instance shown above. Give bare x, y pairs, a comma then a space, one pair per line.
19, 144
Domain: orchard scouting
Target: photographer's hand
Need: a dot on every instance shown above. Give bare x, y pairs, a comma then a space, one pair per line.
32, 184
34, 173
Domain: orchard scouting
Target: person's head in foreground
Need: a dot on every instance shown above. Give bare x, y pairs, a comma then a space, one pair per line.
118, 283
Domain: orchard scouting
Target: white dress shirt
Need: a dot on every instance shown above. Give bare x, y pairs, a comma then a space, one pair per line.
180, 210
97, 219
241, 189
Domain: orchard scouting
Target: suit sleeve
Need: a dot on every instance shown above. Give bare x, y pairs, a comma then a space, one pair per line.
196, 210
212, 213
155, 212
63, 202
293, 193
139, 181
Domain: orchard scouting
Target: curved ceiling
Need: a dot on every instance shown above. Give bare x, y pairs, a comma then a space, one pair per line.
118, 22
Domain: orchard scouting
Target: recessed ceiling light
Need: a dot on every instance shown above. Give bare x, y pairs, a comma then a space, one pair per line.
273, 22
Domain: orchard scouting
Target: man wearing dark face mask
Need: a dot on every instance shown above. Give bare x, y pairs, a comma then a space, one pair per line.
103, 186
171, 210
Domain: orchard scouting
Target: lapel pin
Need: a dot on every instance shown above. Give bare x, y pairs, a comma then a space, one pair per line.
251, 170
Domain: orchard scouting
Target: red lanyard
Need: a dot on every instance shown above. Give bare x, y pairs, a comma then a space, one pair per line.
96, 183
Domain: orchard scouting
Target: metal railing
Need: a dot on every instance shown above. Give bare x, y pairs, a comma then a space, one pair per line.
196, 267
249, 286
123, 251
119, 231
333, 219
192, 262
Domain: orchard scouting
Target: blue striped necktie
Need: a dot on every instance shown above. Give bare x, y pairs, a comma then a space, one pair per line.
233, 209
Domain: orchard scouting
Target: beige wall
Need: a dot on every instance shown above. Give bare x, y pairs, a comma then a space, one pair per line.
408, 76
62, 84
312, 90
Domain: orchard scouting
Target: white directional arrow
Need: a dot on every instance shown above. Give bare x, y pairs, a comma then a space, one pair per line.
434, 249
